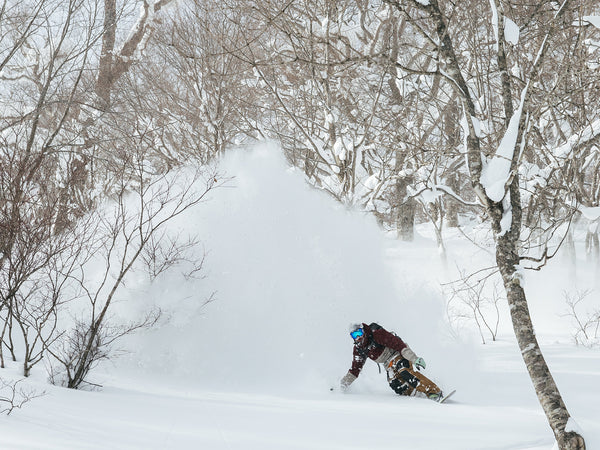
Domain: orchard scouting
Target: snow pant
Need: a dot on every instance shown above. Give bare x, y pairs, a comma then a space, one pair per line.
405, 380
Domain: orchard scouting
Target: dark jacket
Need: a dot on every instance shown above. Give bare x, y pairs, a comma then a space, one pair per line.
376, 340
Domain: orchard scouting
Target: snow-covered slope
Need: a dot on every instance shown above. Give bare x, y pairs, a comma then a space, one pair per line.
290, 269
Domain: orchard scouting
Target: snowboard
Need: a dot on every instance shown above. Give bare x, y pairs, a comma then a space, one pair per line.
446, 397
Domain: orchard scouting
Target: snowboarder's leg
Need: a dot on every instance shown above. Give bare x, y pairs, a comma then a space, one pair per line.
426, 386
404, 380
404, 383
401, 388
400, 385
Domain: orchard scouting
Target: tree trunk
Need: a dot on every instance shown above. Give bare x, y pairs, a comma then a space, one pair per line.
403, 213
543, 382
592, 247
570, 253
452, 206
507, 259
105, 79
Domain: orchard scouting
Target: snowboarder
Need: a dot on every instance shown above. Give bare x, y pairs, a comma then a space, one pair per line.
374, 342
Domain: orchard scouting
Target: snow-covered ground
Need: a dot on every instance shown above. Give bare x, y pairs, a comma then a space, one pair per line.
291, 269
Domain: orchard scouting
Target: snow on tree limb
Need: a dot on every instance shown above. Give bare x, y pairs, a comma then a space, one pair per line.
495, 19
114, 63
495, 175
138, 36
587, 135
511, 31
592, 20
442, 188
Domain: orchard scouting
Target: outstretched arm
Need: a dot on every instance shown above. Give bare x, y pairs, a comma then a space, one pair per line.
358, 361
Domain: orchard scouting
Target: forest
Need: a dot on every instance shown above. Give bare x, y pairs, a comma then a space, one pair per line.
115, 114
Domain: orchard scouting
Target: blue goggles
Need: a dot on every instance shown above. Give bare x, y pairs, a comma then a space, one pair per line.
356, 334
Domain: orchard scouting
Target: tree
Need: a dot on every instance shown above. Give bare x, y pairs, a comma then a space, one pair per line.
43, 79
312, 85
131, 228
13, 396
56, 160
337, 96
494, 159
192, 90
116, 61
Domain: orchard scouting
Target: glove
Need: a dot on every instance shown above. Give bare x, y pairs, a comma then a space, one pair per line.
346, 381
420, 363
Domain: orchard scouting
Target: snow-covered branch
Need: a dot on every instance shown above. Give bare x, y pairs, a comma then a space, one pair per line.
115, 62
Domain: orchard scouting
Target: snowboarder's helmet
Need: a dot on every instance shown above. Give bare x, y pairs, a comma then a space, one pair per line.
354, 326
355, 330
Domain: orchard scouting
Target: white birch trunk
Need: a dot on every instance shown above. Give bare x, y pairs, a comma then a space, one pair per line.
507, 240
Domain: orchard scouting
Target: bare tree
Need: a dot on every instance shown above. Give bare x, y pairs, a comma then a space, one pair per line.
337, 95
43, 81
115, 60
40, 292
192, 89
319, 97
14, 396
54, 159
471, 299
586, 323
146, 202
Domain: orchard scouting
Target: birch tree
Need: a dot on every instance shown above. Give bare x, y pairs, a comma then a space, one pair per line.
494, 161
